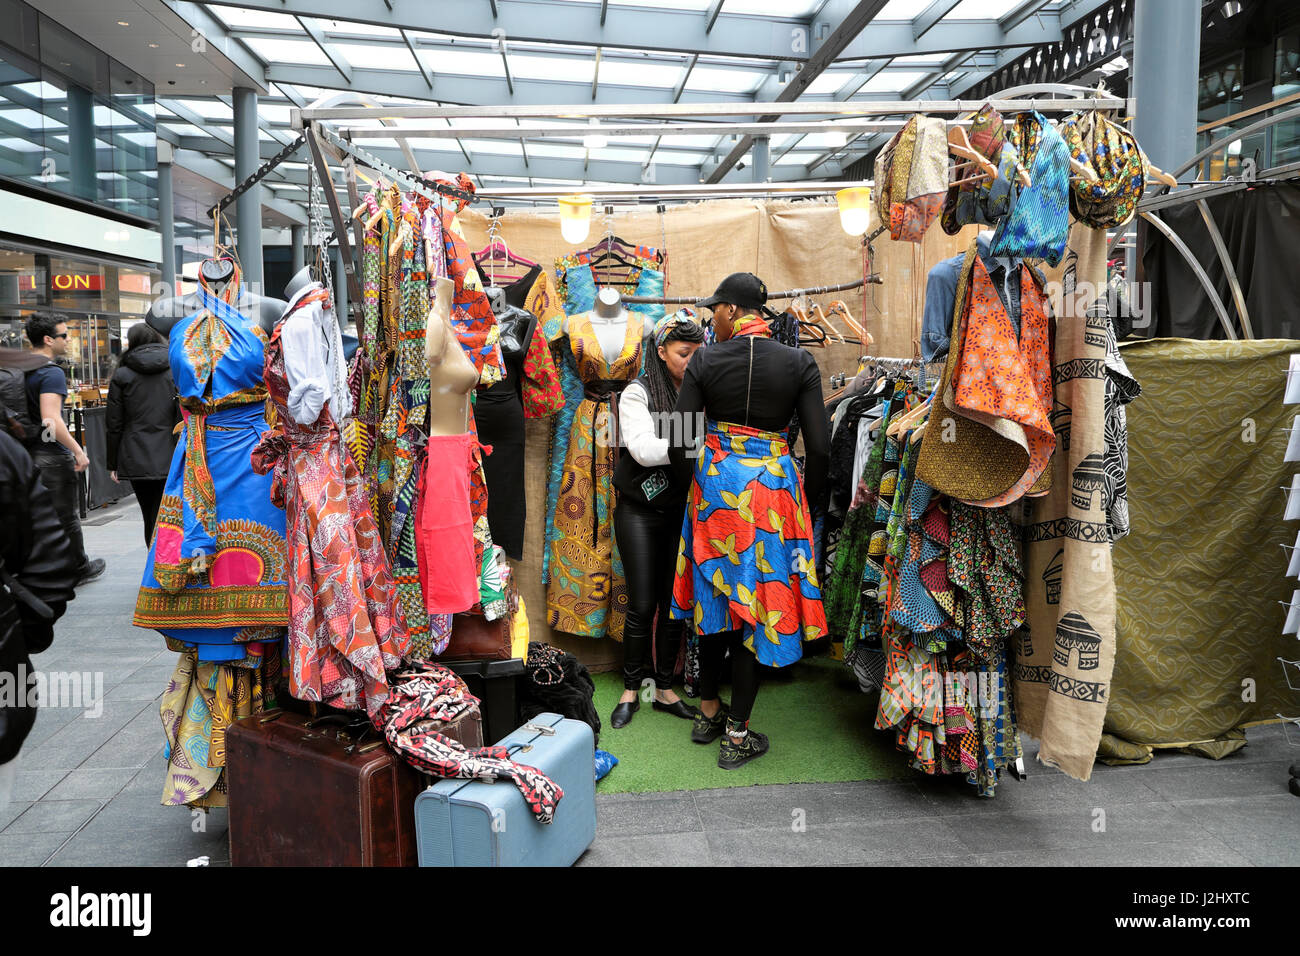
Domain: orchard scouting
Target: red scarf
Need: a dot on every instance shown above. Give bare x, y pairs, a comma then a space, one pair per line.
751, 324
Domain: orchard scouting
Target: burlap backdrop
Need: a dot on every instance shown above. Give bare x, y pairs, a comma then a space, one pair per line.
789, 244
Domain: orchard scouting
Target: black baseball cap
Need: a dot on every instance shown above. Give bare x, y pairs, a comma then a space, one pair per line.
743, 289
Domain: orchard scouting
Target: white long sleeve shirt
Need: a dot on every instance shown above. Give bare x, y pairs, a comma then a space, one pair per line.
307, 363
637, 428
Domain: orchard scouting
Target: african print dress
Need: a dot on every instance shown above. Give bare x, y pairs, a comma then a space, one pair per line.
746, 560
346, 625
577, 289
583, 595
215, 579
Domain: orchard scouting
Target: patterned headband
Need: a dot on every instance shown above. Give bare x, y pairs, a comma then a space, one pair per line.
670, 322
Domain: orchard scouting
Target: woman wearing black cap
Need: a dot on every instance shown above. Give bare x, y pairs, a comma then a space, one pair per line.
746, 574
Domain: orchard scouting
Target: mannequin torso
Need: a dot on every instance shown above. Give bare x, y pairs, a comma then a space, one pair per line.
217, 273
609, 322
452, 375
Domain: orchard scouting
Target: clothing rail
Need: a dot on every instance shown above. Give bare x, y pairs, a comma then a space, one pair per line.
299, 117
791, 294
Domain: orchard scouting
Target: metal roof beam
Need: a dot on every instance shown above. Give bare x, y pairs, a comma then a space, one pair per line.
931, 15
424, 70
853, 24
331, 52
713, 16
1021, 13
476, 89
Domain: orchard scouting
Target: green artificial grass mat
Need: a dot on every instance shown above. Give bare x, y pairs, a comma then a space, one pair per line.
819, 724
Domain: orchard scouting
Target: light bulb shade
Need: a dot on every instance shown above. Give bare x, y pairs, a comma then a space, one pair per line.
855, 209
595, 141
575, 218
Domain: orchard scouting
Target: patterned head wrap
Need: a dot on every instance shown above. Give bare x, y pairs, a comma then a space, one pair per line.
669, 322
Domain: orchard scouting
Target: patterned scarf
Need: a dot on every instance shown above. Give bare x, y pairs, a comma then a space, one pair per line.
426, 697
1114, 155
670, 322
751, 324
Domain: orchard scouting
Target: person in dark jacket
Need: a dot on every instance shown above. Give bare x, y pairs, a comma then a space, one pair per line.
746, 572
38, 575
142, 416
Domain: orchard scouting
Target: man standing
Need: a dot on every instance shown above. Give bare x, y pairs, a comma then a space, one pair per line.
55, 452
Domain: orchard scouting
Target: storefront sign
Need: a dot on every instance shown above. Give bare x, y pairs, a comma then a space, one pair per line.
77, 282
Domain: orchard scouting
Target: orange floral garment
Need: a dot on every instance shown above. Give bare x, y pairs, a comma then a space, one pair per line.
1002, 376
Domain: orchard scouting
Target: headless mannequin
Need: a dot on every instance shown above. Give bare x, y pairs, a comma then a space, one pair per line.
609, 322
305, 277
452, 375
217, 273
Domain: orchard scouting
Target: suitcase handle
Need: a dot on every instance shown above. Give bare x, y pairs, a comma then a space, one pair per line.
538, 728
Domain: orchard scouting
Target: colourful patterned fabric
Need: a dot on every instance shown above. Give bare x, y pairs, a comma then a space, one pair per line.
1112, 152
751, 324
985, 562
583, 594
346, 626
216, 574
578, 293
1038, 225
200, 703
1002, 377
424, 699
746, 558
471, 313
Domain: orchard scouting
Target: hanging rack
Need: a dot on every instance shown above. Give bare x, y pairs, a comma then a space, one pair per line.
791, 294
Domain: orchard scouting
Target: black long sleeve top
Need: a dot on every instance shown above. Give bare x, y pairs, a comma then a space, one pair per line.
718, 382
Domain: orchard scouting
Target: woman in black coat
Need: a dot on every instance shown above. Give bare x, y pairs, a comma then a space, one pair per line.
142, 417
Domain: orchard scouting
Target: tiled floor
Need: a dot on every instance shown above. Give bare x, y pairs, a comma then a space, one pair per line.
87, 788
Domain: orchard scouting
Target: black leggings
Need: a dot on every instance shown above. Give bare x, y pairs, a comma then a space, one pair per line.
148, 495
647, 543
745, 672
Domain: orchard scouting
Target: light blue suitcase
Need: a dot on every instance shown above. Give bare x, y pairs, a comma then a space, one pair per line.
477, 823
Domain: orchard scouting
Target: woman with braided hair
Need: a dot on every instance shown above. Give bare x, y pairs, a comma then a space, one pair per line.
648, 516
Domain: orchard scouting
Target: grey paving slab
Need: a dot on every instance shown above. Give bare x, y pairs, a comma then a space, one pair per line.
1043, 787
11, 811
137, 690
54, 816
89, 785
841, 845
669, 849
103, 843
29, 849
1220, 780
1264, 830
34, 784
675, 814
134, 744
1076, 828
813, 804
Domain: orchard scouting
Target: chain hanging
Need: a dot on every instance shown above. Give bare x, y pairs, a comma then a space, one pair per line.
320, 224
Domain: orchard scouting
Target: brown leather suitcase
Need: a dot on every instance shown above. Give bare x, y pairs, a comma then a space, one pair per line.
475, 638
323, 792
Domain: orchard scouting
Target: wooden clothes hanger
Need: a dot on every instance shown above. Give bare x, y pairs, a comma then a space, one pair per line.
838, 308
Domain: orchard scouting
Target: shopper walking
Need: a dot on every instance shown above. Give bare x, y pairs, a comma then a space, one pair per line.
143, 412
746, 575
54, 451
37, 576
648, 516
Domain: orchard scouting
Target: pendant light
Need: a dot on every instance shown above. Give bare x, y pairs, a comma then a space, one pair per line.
855, 209
575, 218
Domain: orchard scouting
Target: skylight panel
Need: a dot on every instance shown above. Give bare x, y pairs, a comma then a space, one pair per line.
464, 62
377, 56
902, 9
239, 17
649, 73
288, 51
724, 81
982, 9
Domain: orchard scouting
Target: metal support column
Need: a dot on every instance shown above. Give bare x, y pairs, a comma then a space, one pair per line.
81, 143
167, 226
1166, 66
248, 207
761, 156
298, 251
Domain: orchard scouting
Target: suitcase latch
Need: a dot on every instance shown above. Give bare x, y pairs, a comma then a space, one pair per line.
538, 728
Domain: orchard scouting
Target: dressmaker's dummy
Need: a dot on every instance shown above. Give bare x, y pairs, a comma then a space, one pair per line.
452, 375
216, 274
608, 321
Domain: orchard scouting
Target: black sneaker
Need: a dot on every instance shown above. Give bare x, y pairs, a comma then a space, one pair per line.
705, 730
732, 755
93, 569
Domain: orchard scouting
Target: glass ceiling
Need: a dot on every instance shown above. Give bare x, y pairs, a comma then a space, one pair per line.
736, 58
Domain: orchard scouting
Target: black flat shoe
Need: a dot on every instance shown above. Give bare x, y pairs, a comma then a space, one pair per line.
678, 708
622, 715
